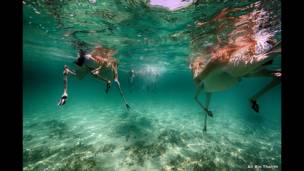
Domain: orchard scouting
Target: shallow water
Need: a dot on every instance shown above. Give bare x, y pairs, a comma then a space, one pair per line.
164, 128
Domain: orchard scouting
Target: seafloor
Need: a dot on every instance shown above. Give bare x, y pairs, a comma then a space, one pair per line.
162, 131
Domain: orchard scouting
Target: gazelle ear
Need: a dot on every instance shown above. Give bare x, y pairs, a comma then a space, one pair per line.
190, 66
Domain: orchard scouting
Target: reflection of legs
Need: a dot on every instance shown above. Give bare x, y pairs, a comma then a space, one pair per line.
208, 112
64, 97
276, 75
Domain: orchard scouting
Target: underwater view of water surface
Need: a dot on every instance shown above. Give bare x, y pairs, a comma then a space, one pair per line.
154, 44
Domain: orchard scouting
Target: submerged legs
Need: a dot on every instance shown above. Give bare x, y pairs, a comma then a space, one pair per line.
64, 97
208, 96
205, 108
121, 93
276, 75
96, 74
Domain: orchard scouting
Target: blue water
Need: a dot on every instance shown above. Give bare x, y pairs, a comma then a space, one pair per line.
164, 128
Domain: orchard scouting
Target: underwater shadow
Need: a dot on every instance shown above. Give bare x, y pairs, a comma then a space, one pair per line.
134, 127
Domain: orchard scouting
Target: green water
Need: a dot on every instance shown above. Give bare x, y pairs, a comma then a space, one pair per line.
164, 128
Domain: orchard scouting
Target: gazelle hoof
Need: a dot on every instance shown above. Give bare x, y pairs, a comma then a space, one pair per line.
63, 100
255, 105
210, 113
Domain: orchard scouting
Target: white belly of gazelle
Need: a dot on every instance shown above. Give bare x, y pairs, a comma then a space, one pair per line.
219, 81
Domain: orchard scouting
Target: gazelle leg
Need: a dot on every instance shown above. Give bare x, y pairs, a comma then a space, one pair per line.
64, 97
205, 108
276, 75
208, 97
114, 69
96, 74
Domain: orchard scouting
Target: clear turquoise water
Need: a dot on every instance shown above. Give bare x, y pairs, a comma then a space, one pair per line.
164, 128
